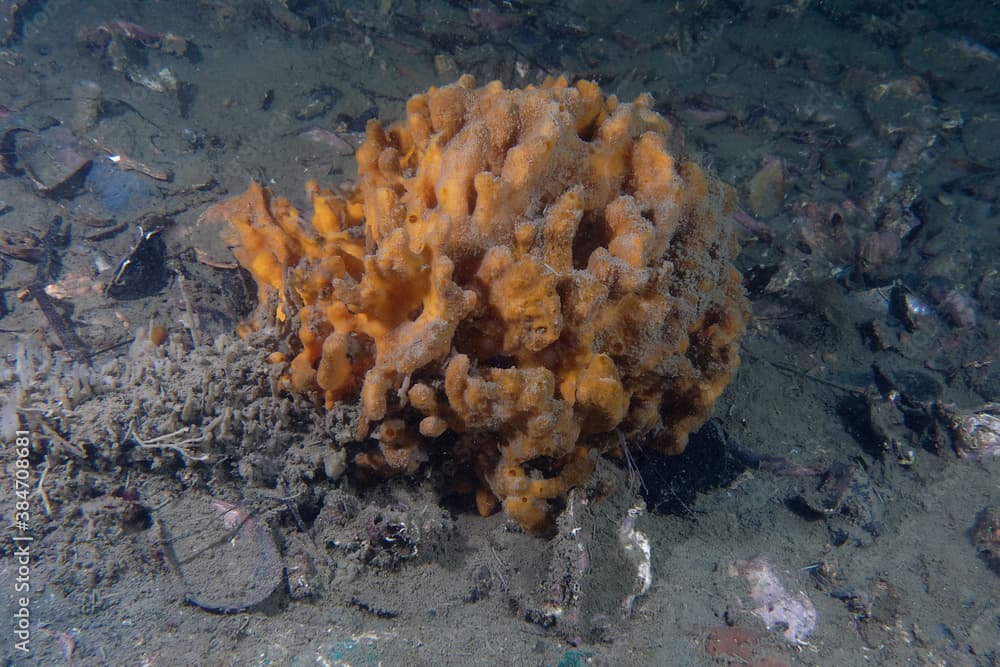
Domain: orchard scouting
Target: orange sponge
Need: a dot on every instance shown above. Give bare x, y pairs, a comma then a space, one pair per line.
530, 270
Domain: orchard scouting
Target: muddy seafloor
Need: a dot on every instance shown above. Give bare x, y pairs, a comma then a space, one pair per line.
185, 511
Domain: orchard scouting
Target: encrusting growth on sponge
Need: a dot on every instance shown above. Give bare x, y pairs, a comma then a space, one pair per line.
519, 276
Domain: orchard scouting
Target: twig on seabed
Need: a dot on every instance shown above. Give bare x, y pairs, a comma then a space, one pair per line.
39, 422
63, 326
158, 442
191, 322
40, 488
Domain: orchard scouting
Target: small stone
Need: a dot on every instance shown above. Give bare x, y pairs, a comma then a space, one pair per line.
51, 158
445, 65
986, 534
